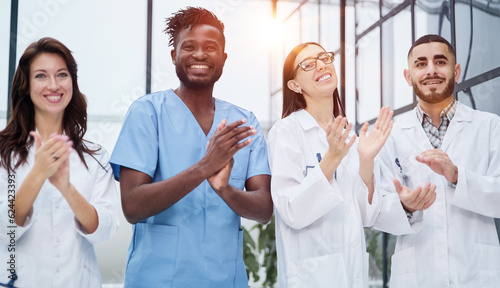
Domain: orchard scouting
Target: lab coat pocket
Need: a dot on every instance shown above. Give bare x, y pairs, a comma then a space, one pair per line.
154, 249
403, 269
318, 272
90, 275
488, 264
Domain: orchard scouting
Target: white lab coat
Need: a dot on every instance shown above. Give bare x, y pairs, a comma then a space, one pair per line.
52, 250
320, 240
456, 244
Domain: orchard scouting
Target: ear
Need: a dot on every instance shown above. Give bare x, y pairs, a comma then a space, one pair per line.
458, 70
173, 54
292, 85
407, 76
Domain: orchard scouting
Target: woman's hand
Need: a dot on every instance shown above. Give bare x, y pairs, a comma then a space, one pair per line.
51, 155
337, 136
337, 145
369, 145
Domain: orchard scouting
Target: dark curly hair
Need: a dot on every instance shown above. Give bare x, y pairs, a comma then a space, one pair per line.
15, 140
188, 18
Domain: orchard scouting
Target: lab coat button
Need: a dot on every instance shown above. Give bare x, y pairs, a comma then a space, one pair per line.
356, 281
57, 206
57, 270
354, 244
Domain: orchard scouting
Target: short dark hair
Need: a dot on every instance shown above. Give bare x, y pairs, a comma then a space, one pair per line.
188, 18
429, 38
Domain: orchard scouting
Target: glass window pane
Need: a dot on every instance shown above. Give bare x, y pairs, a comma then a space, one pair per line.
484, 96
483, 53
430, 18
367, 13
368, 76
310, 21
389, 5
396, 36
99, 46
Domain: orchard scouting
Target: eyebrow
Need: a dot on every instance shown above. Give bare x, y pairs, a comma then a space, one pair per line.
43, 70
438, 56
313, 57
194, 40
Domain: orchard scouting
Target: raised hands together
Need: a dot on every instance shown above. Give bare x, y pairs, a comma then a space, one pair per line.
51, 159
225, 142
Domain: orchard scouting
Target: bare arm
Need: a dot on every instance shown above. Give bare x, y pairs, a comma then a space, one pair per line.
44, 167
255, 203
142, 199
369, 146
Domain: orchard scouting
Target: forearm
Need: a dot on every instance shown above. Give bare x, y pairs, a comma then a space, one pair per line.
141, 201
84, 212
26, 196
329, 165
366, 167
254, 205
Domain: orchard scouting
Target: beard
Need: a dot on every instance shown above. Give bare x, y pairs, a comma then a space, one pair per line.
197, 84
433, 96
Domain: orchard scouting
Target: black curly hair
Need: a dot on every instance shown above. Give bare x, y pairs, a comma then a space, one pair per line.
188, 18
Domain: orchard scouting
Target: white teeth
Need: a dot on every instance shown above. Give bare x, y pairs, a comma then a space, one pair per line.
328, 76
434, 82
54, 98
199, 66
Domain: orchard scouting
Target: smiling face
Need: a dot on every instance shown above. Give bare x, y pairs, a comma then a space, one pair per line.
51, 85
199, 56
319, 82
432, 72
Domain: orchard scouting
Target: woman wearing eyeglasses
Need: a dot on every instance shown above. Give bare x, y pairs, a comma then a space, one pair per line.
323, 191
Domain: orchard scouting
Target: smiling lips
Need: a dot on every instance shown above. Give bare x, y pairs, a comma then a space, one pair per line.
199, 66
324, 77
54, 98
433, 81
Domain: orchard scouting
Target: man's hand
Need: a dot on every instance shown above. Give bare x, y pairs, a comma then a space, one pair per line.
225, 143
440, 163
420, 198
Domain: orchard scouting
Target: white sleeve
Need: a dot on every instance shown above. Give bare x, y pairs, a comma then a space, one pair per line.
104, 198
478, 185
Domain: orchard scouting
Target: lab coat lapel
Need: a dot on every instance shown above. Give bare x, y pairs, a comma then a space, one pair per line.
456, 125
413, 130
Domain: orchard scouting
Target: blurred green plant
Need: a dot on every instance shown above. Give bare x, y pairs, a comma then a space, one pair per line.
264, 251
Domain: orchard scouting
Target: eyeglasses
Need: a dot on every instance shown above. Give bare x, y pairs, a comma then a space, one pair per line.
310, 63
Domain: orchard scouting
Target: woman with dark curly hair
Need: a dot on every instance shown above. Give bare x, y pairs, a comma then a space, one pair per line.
57, 194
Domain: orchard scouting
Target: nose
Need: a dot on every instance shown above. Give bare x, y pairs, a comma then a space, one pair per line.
320, 64
199, 54
53, 84
431, 68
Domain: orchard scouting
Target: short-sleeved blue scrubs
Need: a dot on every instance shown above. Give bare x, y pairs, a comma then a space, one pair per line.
197, 242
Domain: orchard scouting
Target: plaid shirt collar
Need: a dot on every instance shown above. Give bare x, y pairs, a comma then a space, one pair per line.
436, 134
448, 112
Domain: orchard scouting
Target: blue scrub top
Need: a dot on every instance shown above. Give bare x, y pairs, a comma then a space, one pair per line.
198, 241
